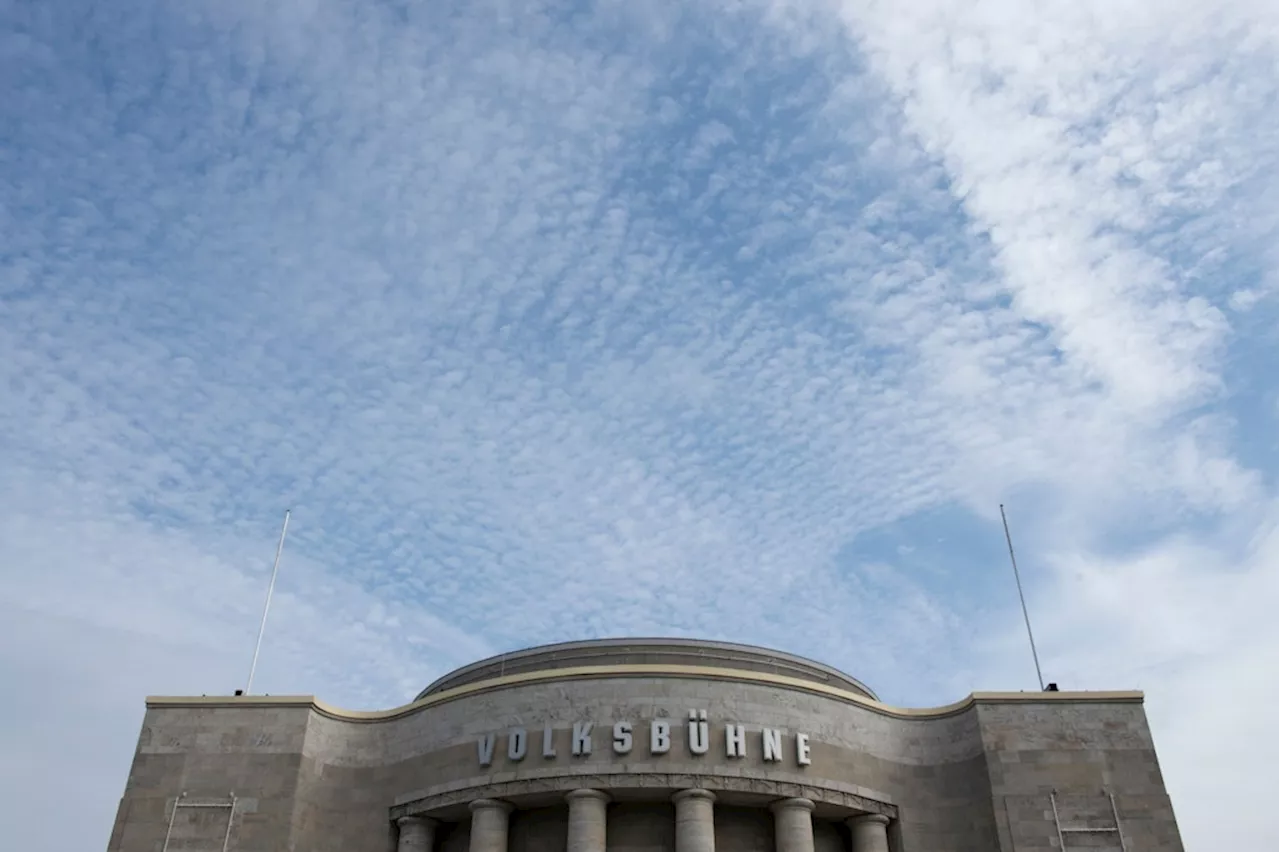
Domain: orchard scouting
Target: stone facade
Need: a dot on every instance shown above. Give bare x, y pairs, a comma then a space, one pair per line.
648, 746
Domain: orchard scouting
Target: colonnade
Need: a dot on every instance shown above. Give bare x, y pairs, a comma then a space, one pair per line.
695, 825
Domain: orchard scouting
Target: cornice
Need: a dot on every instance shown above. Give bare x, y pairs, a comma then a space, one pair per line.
645, 671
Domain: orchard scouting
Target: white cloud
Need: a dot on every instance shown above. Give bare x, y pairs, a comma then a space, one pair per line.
1069, 136
545, 328
1072, 137
1192, 623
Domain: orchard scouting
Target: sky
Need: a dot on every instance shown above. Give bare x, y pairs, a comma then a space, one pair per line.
735, 319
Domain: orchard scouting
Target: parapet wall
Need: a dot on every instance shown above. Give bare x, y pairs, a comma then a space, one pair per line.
977, 775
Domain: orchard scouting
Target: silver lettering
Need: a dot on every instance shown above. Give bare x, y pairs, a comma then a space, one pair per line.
548, 743
735, 740
581, 739
771, 744
623, 741
660, 737
486, 749
517, 744
699, 736
621, 737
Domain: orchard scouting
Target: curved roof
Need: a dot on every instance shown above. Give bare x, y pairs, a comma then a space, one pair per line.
648, 651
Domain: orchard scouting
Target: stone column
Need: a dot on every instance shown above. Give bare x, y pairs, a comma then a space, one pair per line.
417, 834
870, 833
586, 820
695, 821
793, 825
489, 825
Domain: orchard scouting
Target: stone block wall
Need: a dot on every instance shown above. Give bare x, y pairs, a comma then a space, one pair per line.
974, 777
212, 754
1080, 758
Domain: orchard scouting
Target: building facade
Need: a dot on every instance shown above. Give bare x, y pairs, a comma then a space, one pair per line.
647, 745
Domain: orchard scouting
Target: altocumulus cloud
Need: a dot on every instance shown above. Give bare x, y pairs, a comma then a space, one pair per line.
550, 321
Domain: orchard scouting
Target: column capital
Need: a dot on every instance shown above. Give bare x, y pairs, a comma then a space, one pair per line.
588, 820
490, 805
792, 805
867, 819
694, 794
793, 825
488, 825
417, 834
695, 820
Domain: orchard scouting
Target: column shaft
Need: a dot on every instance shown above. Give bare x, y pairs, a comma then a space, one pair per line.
588, 811
793, 825
489, 825
695, 821
870, 833
417, 834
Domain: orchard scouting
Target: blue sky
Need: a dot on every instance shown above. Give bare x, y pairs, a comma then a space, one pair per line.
549, 321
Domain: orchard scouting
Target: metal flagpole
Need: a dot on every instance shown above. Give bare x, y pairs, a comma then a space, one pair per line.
275, 568
1009, 539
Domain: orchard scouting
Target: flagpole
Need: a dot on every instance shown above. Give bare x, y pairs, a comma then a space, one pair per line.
275, 569
1009, 539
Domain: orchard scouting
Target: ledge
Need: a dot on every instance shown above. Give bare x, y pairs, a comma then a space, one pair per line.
647, 671
427, 803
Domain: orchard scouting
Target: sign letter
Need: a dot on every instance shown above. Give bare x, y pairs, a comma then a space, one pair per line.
621, 737
517, 743
802, 749
699, 737
581, 739
485, 745
660, 737
771, 744
735, 740
548, 744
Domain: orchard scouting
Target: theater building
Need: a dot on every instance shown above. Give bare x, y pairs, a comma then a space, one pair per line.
647, 745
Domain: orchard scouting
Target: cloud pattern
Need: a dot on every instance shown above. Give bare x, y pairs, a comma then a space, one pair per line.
563, 320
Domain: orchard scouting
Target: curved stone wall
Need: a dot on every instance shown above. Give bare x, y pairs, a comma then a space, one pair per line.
530, 744
646, 651
647, 757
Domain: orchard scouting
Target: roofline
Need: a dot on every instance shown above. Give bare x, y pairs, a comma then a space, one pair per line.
645, 671
653, 641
